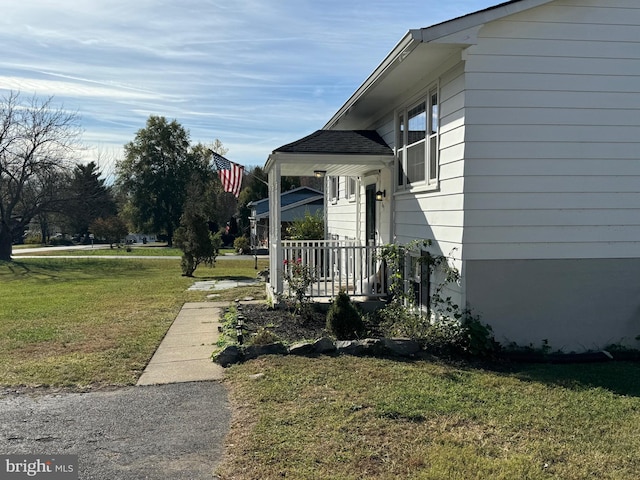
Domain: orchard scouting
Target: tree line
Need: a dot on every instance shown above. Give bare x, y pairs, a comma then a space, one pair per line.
162, 183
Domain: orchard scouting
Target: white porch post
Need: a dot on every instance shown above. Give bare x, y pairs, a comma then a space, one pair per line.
275, 250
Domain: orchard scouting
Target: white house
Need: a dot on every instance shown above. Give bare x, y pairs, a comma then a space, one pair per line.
513, 138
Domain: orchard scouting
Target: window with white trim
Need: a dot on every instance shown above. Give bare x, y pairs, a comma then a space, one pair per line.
417, 149
352, 187
334, 185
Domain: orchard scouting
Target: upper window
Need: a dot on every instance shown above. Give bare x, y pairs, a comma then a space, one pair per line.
417, 144
352, 186
334, 188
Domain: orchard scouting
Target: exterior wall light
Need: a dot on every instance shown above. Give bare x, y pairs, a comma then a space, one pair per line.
319, 173
380, 195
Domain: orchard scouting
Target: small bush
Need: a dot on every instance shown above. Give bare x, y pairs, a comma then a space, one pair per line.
241, 245
343, 319
56, 242
396, 320
467, 336
33, 239
264, 336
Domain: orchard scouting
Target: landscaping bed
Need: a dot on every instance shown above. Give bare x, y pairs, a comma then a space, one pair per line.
285, 325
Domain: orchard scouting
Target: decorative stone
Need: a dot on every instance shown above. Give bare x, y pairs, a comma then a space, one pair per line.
368, 346
230, 355
324, 345
402, 347
349, 347
254, 351
301, 348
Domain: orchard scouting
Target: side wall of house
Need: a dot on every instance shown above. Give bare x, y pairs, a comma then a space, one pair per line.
435, 213
552, 173
430, 213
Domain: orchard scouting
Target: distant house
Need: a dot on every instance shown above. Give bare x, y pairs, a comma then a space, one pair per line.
511, 138
141, 238
294, 204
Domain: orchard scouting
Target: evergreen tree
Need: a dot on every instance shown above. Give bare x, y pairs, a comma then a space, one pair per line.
89, 199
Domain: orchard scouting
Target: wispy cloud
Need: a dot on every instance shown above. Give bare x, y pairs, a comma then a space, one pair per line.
254, 73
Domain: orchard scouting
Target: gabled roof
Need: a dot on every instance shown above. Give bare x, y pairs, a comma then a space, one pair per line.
335, 152
289, 199
339, 142
417, 51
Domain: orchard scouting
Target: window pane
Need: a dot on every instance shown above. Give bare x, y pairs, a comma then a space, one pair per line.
415, 163
400, 168
433, 157
434, 113
417, 123
334, 187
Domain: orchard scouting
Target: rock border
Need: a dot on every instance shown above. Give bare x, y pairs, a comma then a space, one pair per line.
399, 348
394, 347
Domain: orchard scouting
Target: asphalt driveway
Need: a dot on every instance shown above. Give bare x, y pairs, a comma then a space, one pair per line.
171, 431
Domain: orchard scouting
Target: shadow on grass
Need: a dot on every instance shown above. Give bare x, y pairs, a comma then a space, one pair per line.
233, 278
618, 377
69, 269
622, 378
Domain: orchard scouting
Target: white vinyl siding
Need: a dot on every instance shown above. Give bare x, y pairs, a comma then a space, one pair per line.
341, 215
552, 115
438, 214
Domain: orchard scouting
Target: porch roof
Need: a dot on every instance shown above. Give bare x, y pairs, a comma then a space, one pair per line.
336, 152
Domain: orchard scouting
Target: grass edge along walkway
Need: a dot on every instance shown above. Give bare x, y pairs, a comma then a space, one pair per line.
91, 322
350, 418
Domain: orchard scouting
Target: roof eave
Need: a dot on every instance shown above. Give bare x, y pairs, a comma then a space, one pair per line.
445, 32
399, 52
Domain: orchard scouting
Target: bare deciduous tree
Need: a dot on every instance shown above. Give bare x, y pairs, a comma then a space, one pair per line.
37, 145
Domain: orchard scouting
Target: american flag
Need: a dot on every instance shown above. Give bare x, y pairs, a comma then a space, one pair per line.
230, 174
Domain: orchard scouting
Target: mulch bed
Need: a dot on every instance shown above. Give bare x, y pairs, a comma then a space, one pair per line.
286, 325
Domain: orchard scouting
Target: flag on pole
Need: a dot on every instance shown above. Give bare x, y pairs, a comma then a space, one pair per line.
230, 174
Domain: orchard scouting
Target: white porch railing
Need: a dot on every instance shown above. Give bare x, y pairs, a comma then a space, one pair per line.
338, 265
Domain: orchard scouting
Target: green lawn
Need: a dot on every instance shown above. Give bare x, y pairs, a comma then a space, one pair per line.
75, 322
102, 250
79, 322
353, 418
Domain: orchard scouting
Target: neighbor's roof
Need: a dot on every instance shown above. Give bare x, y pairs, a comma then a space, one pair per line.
300, 195
339, 142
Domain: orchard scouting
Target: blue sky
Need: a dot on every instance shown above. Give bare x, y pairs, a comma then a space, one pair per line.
256, 74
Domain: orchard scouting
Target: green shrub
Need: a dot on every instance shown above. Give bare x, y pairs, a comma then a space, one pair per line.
56, 242
264, 336
33, 239
343, 319
311, 227
396, 320
467, 336
241, 245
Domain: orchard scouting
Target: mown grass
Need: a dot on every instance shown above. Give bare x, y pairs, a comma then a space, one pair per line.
104, 250
78, 322
353, 418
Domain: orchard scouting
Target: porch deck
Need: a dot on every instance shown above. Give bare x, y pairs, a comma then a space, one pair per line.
336, 265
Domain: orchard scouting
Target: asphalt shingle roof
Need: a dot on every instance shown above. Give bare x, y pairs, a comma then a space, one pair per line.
342, 142
287, 198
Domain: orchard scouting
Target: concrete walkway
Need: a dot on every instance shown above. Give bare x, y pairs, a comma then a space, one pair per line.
185, 352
